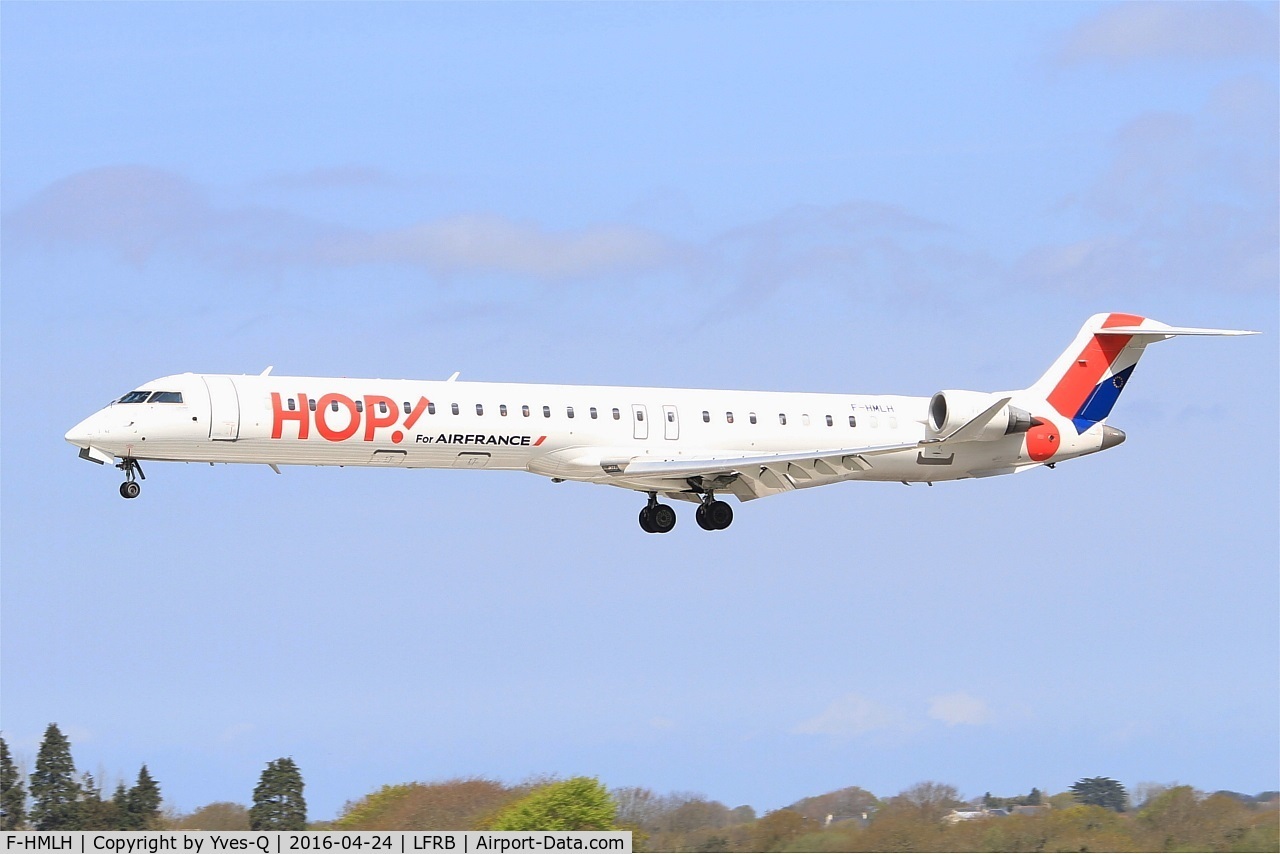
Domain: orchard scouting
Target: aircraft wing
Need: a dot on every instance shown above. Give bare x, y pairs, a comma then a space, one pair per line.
747, 476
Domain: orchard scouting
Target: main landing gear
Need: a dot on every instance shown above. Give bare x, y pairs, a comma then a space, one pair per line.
130, 488
712, 515
657, 518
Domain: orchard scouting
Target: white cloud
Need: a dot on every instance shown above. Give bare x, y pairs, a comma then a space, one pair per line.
851, 715
136, 211
1187, 202
489, 243
1127, 32
958, 709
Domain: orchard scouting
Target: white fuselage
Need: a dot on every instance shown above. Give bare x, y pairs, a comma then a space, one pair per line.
686, 444
569, 432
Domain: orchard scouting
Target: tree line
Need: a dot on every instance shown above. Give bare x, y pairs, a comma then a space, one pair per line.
55, 797
1096, 813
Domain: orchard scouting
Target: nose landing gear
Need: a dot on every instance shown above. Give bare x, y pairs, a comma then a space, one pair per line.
130, 488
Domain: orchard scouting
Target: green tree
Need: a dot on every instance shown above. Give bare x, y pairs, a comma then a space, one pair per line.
13, 795
95, 813
54, 790
579, 803
1101, 792
142, 803
221, 815
779, 827
277, 799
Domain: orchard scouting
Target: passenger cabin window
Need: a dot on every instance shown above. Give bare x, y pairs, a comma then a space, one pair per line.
671, 416
524, 410
853, 422
639, 414
751, 417
382, 407
479, 409
431, 408
454, 407
135, 397
804, 419
334, 406
569, 409
359, 406
830, 422
311, 404
593, 412
502, 410
292, 404
782, 419
546, 412
166, 397
706, 416
407, 408
728, 417
616, 414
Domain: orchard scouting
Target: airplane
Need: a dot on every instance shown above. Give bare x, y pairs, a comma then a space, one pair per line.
682, 444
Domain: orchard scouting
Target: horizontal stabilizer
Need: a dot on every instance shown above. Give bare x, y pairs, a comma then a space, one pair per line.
1163, 331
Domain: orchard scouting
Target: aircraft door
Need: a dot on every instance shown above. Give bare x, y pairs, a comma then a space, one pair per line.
224, 408
671, 422
639, 421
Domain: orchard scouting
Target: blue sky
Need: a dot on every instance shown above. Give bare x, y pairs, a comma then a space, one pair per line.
830, 197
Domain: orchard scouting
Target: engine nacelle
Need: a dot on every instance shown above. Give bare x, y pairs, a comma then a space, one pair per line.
952, 409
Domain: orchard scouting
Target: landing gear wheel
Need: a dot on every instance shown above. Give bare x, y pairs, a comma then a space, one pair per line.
719, 514
132, 469
714, 515
645, 523
662, 518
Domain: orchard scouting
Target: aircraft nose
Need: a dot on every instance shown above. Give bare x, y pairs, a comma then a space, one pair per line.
83, 434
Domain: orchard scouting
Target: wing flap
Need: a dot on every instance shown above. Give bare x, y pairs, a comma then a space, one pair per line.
848, 459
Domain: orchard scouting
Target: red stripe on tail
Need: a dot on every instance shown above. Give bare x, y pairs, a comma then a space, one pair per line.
1071, 392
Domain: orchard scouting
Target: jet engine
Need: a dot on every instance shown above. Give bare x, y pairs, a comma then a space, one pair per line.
952, 409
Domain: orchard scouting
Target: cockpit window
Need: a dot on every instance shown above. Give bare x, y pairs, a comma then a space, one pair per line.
135, 397
166, 397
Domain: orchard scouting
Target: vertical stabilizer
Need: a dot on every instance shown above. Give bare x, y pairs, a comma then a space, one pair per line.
1086, 380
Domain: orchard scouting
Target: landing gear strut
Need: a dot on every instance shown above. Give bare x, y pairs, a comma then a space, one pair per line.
130, 488
657, 518
713, 514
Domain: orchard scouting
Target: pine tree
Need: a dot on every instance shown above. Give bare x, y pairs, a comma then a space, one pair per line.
1101, 792
120, 807
142, 803
54, 789
277, 799
94, 812
13, 795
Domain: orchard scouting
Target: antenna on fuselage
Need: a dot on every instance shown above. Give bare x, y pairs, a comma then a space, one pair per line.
454, 377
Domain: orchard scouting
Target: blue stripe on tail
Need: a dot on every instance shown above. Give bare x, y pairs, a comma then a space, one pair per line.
1099, 403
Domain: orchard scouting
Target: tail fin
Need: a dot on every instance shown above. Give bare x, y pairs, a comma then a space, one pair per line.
1085, 381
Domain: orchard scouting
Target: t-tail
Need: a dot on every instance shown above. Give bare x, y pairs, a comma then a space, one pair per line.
1086, 380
